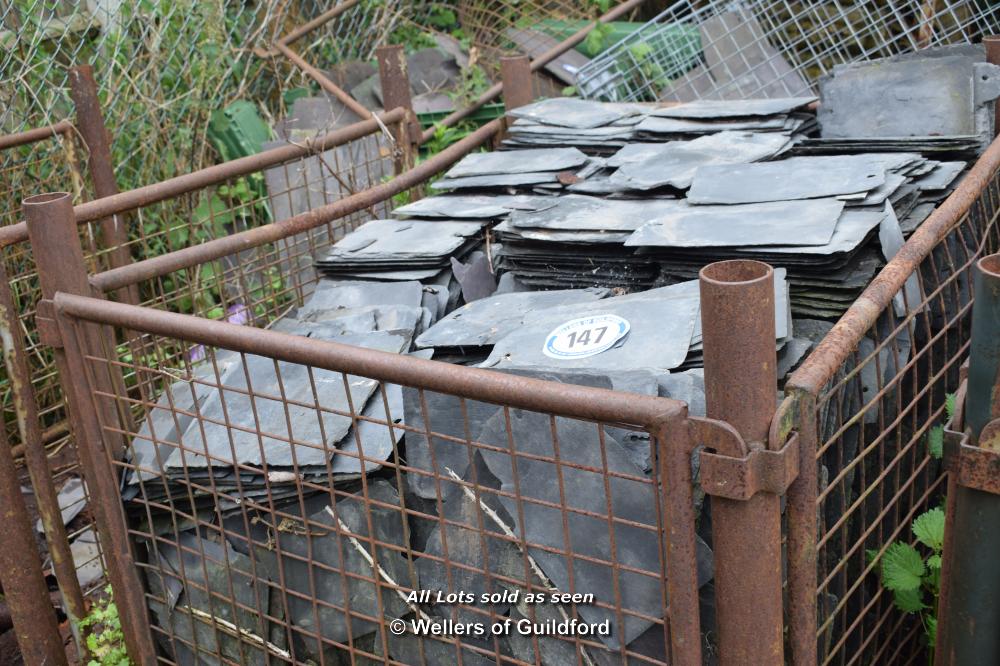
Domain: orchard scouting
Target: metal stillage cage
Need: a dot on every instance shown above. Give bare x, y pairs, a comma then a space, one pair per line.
289, 559
623, 528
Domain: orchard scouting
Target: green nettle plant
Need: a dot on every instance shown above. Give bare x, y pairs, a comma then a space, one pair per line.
105, 640
914, 577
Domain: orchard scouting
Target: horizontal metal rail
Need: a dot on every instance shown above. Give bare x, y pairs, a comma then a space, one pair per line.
324, 83
320, 20
477, 384
116, 278
143, 196
35, 135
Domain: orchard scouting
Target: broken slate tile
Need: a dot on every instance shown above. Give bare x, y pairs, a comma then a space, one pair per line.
188, 584
580, 212
263, 424
517, 162
660, 327
72, 498
498, 180
711, 108
400, 242
474, 206
568, 112
805, 222
783, 180
451, 419
336, 539
675, 164
475, 276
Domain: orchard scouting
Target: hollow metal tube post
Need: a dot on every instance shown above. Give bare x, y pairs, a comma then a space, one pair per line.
738, 329
971, 612
58, 255
21, 572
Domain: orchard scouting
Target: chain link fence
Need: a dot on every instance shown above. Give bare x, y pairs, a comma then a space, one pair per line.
162, 67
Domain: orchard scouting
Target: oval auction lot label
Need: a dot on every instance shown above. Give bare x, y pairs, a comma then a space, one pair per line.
585, 336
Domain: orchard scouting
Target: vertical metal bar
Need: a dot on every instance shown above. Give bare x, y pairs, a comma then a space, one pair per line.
737, 314
395, 82
674, 448
515, 73
90, 123
61, 268
29, 427
992, 44
802, 530
21, 572
972, 614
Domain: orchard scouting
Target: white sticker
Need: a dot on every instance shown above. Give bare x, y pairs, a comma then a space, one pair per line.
585, 337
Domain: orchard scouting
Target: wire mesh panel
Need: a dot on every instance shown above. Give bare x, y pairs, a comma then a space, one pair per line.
880, 417
286, 510
252, 287
771, 48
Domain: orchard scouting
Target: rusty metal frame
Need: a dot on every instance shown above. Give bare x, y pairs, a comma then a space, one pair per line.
667, 420
63, 127
110, 211
20, 566
799, 412
740, 475
974, 467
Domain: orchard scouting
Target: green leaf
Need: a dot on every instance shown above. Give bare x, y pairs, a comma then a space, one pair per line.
902, 567
909, 601
929, 529
935, 442
178, 237
212, 213
934, 562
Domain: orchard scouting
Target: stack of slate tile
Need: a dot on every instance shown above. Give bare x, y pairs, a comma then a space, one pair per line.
185, 437
604, 127
537, 168
578, 241
400, 249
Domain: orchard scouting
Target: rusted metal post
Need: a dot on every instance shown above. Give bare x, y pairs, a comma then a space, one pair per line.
59, 258
90, 123
395, 82
674, 447
21, 572
802, 528
737, 315
972, 612
515, 72
29, 428
992, 44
